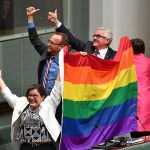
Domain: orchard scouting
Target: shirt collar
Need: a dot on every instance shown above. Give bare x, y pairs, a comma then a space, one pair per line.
102, 53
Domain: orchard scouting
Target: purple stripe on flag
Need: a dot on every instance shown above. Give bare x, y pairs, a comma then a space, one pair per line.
100, 134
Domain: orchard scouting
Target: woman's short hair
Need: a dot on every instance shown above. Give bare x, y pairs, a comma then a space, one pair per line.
38, 87
138, 46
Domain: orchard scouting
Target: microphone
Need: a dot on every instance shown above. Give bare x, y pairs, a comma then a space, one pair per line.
97, 126
104, 146
137, 118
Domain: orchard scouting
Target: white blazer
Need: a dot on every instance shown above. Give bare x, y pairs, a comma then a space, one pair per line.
61, 70
47, 110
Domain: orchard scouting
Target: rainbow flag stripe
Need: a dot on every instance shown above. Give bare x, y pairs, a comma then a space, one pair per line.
100, 98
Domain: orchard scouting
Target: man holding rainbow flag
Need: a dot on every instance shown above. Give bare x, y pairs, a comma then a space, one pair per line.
98, 93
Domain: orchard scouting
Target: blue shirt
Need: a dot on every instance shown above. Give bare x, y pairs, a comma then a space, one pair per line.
52, 74
31, 25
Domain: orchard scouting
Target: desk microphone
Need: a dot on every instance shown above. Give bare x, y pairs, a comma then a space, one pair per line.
104, 147
97, 126
137, 118
121, 143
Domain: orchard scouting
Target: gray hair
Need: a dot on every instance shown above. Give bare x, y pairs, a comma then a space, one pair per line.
108, 34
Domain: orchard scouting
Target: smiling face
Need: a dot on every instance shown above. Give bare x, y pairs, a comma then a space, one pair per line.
54, 44
35, 95
100, 41
34, 98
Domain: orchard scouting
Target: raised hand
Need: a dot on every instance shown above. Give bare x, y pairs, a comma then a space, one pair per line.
31, 11
52, 16
2, 83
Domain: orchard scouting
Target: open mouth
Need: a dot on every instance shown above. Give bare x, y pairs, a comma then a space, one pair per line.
32, 101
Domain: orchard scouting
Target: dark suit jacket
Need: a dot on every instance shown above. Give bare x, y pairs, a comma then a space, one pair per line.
41, 48
83, 46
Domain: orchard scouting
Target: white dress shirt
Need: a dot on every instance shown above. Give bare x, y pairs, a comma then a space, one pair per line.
102, 53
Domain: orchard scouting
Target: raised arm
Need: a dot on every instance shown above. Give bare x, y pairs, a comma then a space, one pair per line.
2, 83
39, 46
11, 99
75, 43
55, 96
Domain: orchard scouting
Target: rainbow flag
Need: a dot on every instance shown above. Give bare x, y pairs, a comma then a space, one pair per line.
100, 98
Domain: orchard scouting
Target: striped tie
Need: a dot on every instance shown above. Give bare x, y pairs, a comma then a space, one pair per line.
96, 53
46, 72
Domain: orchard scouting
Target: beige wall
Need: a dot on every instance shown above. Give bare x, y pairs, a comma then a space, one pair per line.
129, 17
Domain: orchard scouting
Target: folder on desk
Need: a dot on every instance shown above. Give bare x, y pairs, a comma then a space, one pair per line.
128, 139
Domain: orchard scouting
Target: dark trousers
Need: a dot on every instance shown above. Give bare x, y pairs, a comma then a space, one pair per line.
139, 134
59, 113
59, 117
44, 146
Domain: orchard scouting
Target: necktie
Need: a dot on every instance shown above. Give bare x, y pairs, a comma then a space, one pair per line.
96, 53
46, 72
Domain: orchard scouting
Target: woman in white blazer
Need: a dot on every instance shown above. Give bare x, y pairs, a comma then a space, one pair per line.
33, 119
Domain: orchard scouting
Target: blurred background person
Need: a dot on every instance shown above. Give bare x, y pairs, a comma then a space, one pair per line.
142, 64
6, 15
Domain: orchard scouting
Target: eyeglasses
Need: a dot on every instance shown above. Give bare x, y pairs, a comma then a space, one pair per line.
98, 36
53, 43
35, 96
